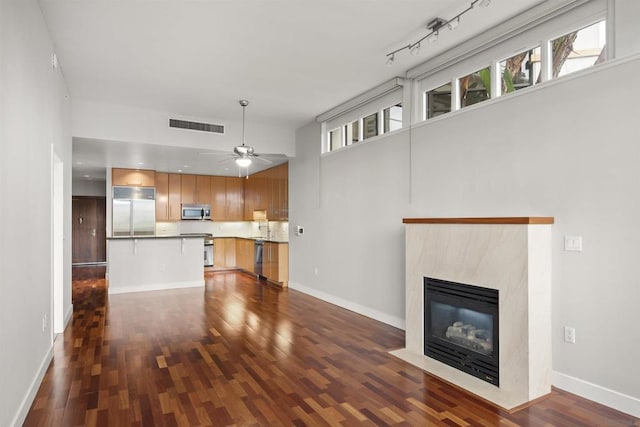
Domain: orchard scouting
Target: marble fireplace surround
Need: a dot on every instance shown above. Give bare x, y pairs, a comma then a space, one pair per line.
512, 255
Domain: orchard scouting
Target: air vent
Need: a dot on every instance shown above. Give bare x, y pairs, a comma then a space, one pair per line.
203, 127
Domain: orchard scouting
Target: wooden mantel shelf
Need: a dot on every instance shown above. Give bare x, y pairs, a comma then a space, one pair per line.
496, 220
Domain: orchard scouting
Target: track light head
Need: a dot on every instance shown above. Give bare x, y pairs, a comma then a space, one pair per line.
431, 38
453, 24
390, 59
415, 49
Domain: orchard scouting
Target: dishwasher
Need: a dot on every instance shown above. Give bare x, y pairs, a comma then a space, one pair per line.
258, 251
208, 252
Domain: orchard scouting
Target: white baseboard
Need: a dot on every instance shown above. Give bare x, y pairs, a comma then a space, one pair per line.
25, 405
349, 305
156, 287
613, 399
67, 317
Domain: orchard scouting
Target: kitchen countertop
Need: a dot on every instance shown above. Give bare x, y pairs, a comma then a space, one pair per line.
156, 236
201, 235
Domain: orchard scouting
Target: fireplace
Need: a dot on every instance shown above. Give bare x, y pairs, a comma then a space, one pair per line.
461, 327
511, 257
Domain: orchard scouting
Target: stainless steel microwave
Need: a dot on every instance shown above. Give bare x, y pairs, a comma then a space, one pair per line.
193, 211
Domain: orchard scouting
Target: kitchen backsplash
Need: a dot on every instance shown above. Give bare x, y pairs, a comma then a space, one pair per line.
274, 230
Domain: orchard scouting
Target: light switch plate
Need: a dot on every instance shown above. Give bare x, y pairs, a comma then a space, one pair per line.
573, 243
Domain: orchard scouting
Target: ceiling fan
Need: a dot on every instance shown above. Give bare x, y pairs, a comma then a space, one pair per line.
244, 154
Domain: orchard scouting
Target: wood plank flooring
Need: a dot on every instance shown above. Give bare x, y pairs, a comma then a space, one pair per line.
244, 353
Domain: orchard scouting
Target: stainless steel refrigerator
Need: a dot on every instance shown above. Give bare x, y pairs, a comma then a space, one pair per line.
134, 211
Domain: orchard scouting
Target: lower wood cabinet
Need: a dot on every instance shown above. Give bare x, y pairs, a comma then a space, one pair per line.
276, 262
244, 255
224, 252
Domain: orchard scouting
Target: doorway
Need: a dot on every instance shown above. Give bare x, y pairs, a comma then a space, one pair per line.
89, 230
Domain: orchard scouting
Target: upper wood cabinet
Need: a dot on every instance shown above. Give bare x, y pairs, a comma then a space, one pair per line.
196, 189
188, 189
227, 198
268, 190
175, 197
235, 198
218, 198
203, 189
133, 177
162, 196
168, 196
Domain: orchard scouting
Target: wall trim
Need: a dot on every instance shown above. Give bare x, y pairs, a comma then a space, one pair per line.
611, 398
349, 305
67, 317
25, 405
157, 287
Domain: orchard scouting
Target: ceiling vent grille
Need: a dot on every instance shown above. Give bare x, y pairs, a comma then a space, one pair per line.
203, 127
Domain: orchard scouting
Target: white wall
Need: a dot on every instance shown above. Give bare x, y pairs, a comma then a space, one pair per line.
567, 150
129, 124
34, 114
83, 187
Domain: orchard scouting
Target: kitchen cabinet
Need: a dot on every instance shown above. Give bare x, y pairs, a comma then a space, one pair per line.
188, 189
235, 198
168, 196
268, 190
203, 189
133, 177
224, 252
276, 262
196, 189
227, 198
218, 198
244, 255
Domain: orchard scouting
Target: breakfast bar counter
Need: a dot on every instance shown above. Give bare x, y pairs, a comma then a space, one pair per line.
149, 263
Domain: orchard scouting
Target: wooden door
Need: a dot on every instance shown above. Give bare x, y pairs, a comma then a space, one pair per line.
89, 229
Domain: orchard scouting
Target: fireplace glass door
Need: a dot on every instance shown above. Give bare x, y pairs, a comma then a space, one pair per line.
461, 327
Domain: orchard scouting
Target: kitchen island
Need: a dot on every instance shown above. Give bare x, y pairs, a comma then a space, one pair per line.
149, 263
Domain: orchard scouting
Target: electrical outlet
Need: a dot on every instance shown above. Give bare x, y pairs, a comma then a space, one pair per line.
569, 335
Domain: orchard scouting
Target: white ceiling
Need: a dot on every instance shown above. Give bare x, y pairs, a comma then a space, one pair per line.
293, 59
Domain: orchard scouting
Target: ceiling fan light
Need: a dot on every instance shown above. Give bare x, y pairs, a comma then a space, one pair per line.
243, 162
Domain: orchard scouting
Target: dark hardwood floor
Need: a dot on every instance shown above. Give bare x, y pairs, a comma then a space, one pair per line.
242, 353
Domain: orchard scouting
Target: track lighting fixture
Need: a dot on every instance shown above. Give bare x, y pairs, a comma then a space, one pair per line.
434, 26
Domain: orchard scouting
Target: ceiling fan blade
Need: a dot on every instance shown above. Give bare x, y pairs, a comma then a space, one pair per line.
262, 159
228, 159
